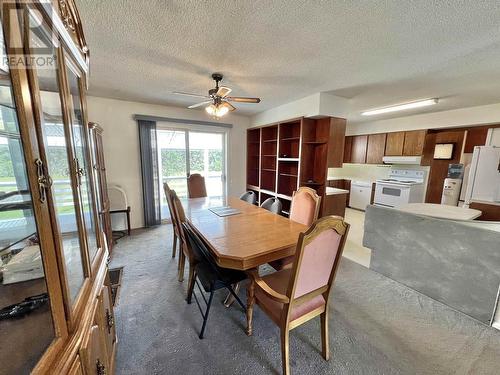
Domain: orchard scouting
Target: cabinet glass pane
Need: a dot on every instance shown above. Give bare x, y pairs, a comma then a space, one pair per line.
59, 165
80, 140
24, 334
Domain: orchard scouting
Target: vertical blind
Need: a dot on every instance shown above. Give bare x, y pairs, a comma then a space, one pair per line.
150, 173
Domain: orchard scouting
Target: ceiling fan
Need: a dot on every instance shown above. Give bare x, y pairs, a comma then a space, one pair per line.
217, 100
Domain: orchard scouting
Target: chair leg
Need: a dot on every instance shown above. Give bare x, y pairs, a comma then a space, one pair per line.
250, 302
174, 246
205, 317
234, 295
324, 336
230, 298
191, 282
182, 261
285, 335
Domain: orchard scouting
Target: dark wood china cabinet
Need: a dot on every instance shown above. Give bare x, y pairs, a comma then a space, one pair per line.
56, 315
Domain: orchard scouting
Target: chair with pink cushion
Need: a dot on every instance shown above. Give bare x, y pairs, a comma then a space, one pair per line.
295, 295
304, 209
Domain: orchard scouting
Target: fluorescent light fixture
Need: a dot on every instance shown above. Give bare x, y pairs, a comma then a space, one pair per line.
401, 107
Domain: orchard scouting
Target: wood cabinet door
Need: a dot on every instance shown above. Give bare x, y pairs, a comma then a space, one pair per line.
475, 137
108, 322
414, 143
376, 148
358, 149
347, 149
93, 354
394, 144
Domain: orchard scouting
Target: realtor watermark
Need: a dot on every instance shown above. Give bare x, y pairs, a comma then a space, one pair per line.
33, 47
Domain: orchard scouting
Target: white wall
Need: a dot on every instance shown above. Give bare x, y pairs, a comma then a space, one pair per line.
480, 115
121, 145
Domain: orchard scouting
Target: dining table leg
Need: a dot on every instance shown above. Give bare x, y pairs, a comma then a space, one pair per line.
250, 303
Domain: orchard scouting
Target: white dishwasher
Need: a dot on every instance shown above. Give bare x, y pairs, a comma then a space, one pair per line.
361, 193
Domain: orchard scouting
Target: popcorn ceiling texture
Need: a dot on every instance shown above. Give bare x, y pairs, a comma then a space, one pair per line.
374, 52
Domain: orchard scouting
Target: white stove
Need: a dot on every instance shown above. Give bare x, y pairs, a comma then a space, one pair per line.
403, 186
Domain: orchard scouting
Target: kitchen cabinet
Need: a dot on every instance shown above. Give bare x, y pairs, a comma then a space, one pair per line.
375, 148
414, 143
347, 149
334, 203
358, 149
475, 137
394, 144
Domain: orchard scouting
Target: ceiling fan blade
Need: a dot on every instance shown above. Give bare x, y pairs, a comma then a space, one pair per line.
189, 94
229, 105
239, 99
223, 91
199, 104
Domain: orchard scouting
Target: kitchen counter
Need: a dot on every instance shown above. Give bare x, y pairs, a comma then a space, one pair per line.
440, 211
335, 191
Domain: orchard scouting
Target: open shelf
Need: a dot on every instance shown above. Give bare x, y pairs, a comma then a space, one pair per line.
253, 156
287, 178
289, 137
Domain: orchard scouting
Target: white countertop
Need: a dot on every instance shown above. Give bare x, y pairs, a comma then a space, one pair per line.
335, 191
440, 211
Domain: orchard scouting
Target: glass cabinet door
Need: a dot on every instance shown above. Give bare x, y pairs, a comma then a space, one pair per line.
26, 325
80, 139
55, 144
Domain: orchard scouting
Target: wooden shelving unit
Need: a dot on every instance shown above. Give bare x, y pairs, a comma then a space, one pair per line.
294, 153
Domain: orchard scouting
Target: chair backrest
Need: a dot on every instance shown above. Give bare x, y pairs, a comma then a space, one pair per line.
272, 204
249, 197
199, 249
168, 196
181, 220
305, 206
317, 258
196, 186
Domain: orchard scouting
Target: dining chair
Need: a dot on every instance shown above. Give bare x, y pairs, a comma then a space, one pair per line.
210, 276
196, 186
293, 296
304, 209
273, 205
249, 197
168, 196
305, 206
185, 249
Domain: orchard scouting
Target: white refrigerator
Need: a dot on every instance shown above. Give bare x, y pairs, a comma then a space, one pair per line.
483, 183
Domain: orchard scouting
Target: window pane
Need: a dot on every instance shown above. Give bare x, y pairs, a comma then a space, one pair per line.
80, 142
206, 158
23, 337
59, 165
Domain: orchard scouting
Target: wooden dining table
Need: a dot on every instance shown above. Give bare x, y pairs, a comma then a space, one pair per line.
246, 240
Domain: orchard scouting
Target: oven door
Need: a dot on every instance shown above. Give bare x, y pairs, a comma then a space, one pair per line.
391, 195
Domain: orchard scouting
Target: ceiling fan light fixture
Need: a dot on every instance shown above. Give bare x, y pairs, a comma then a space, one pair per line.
211, 109
221, 110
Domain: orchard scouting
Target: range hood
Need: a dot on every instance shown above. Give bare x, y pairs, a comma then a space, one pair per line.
414, 160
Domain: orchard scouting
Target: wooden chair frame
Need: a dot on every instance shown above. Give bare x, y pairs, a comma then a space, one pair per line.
326, 223
314, 196
176, 236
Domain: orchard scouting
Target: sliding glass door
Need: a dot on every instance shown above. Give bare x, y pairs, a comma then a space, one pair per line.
184, 152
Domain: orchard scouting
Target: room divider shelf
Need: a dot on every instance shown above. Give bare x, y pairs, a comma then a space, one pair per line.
294, 153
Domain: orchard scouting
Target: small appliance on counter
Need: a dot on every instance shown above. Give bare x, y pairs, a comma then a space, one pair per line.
484, 175
403, 186
360, 195
452, 185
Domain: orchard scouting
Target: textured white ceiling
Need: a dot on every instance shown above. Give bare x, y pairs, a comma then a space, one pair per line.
375, 53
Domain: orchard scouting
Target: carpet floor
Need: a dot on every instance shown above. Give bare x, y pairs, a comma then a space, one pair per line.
377, 326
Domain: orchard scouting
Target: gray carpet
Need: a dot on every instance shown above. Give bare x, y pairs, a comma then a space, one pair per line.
377, 326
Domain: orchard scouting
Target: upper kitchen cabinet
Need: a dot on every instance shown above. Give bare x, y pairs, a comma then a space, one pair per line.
394, 144
359, 148
414, 143
375, 148
475, 137
347, 149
